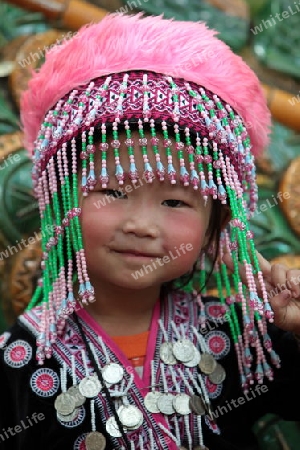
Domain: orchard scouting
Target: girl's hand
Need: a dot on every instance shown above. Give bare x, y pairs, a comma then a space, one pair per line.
283, 287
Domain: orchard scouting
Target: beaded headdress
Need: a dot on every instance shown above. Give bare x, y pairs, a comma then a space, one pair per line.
159, 76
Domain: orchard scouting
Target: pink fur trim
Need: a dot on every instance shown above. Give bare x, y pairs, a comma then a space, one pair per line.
120, 43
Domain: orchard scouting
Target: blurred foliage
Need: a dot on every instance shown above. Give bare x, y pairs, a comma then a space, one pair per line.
233, 30
9, 121
277, 44
273, 235
19, 22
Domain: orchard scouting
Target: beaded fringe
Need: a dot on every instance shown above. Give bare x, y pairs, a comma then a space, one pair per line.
220, 165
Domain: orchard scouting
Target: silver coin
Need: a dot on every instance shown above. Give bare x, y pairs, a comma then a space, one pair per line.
218, 375
64, 404
183, 350
196, 359
67, 418
151, 401
182, 448
207, 363
90, 386
181, 404
78, 397
130, 416
166, 353
197, 405
137, 425
165, 404
112, 373
112, 427
95, 441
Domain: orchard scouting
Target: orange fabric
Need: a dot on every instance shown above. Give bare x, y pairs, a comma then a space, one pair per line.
133, 346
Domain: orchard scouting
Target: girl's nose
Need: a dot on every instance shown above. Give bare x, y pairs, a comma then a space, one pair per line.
142, 221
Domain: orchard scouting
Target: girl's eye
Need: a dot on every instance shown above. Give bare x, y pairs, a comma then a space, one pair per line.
173, 203
115, 193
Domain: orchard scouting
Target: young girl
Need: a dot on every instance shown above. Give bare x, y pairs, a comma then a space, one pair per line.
144, 171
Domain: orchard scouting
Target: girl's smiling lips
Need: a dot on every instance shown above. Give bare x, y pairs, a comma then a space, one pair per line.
136, 253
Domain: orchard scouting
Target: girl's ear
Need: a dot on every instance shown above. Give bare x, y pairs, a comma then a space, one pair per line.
225, 216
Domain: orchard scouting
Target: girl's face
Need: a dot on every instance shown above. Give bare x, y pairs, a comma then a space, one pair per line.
151, 234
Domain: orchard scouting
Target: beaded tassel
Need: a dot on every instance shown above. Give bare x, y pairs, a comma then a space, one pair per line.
103, 178
184, 175
90, 149
167, 145
116, 145
129, 142
200, 158
194, 178
148, 171
160, 170
84, 157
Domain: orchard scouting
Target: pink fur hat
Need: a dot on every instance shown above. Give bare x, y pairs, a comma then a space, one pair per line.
121, 43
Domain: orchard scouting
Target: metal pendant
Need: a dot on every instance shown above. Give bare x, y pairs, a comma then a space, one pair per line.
112, 373
67, 418
196, 359
181, 404
151, 401
95, 441
197, 405
207, 363
64, 404
165, 404
183, 350
166, 353
90, 386
78, 397
112, 428
130, 416
218, 375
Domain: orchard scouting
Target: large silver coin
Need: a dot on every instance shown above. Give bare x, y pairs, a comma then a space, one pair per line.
166, 353
95, 441
151, 401
197, 405
181, 404
69, 417
64, 404
90, 386
130, 416
182, 448
218, 375
207, 363
196, 359
183, 350
165, 404
112, 427
112, 373
78, 397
